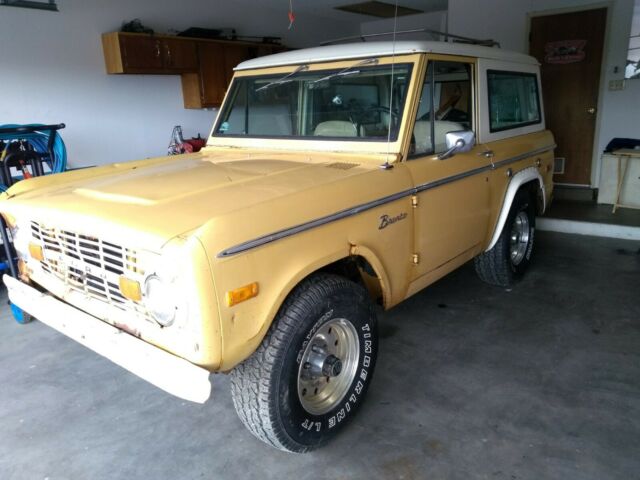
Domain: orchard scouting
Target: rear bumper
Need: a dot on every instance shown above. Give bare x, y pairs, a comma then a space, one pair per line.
164, 370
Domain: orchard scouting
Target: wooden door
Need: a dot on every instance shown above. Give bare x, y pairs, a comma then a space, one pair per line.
140, 53
569, 48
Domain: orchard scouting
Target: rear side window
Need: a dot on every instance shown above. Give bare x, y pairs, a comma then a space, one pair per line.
514, 100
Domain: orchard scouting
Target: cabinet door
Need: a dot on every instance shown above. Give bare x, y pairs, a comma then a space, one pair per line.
180, 55
213, 82
140, 53
233, 55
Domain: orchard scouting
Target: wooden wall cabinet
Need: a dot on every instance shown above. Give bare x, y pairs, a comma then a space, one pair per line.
207, 87
206, 66
154, 54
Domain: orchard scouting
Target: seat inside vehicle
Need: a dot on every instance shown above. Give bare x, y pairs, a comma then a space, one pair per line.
263, 119
422, 133
335, 128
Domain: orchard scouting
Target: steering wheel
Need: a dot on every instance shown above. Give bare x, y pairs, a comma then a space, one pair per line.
375, 108
380, 108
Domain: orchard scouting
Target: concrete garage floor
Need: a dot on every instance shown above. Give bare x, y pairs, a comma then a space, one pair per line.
472, 382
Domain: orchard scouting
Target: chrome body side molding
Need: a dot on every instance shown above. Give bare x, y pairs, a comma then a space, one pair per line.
287, 232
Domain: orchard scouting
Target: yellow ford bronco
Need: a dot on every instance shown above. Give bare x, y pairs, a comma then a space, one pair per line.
334, 178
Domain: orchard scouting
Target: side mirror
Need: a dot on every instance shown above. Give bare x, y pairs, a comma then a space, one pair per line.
459, 141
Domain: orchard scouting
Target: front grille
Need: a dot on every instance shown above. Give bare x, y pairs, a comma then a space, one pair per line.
88, 264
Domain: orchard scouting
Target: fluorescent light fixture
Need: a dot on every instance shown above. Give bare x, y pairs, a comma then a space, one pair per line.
378, 9
35, 4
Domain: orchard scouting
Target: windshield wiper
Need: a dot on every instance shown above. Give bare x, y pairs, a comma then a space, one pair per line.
285, 79
347, 70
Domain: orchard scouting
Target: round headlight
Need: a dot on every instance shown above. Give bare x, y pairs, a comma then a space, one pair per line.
20, 236
159, 299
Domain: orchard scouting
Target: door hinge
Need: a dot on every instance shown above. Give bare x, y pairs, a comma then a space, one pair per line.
415, 258
414, 201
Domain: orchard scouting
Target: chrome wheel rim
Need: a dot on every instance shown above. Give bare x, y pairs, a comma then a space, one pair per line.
519, 239
328, 366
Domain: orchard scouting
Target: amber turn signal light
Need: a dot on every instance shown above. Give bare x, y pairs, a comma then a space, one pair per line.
241, 294
36, 252
130, 289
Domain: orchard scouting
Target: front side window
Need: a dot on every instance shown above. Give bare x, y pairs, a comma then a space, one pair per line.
447, 92
357, 103
513, 100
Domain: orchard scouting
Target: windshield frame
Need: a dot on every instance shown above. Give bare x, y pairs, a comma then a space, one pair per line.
319, 143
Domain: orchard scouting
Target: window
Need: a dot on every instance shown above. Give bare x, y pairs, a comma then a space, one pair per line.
633, 56
513, 100
351, 104
447, 91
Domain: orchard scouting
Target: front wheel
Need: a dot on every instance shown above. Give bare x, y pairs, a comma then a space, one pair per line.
508, 259
311, 372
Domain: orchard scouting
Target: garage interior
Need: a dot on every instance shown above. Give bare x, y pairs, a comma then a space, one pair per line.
541, 380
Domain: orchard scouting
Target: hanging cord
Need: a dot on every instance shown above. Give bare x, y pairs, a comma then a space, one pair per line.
393, 64
292, 16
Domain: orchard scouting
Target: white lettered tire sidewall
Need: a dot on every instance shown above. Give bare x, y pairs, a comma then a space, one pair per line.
264, 387
313, 430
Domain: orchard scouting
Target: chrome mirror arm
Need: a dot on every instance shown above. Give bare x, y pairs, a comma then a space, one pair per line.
459, 145
458, 141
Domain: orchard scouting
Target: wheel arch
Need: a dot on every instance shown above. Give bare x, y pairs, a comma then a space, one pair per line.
527, 178
360, 264
363, 266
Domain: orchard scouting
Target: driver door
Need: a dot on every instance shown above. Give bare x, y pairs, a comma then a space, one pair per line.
452, 208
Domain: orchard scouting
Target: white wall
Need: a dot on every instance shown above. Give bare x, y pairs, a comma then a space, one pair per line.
52, 70
507, 21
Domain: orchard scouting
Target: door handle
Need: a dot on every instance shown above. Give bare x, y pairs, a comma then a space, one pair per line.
591, 110
486, 153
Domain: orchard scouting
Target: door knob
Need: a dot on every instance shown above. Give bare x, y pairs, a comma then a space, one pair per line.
591, 110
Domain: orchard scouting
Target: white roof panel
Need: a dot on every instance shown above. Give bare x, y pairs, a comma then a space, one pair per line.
380, 49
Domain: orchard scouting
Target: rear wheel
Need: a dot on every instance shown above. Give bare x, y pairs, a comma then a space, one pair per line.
508, 259
311, 372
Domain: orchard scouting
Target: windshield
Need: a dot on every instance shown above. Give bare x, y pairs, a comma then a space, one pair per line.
351, 103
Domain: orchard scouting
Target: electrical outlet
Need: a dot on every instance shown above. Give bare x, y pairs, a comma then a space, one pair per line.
616, 84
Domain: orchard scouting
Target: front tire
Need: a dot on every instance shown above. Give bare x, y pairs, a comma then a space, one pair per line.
509, 258
311, 372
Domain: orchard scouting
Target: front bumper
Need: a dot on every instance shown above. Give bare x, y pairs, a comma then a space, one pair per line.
158, 367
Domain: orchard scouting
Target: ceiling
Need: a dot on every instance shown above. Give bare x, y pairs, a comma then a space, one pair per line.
326, 8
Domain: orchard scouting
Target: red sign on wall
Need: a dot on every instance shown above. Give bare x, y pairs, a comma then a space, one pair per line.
565, 51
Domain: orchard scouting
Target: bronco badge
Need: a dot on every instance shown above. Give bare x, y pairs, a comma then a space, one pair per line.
386, 220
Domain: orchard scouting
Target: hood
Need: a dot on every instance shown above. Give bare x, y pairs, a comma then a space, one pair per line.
157, 199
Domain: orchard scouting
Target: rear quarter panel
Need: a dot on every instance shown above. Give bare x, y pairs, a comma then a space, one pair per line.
531, 150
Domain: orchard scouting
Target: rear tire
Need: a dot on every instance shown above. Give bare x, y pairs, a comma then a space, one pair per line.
311, 372
509, 258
